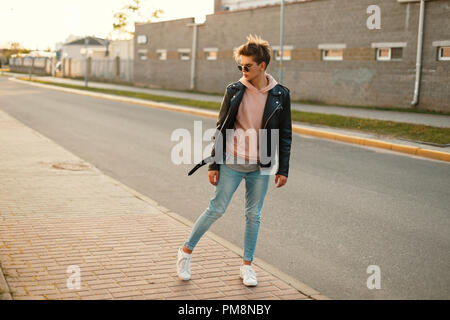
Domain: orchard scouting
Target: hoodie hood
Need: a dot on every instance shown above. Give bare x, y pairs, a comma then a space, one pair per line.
271, 83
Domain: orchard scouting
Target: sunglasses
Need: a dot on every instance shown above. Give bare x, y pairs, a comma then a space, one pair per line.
246, 68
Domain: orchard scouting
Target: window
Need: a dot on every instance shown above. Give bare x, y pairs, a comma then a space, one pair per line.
142, 39
142, 54
389, 51
332, 54
210, 53
444, 53
287, 50
396, 53
443, 50
162, 54
383, 54
184, 54
389, 54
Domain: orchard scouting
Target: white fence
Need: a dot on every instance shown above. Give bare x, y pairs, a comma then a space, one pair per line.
41, 65
102, 69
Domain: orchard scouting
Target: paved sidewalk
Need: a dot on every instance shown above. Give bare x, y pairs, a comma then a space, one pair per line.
408, 117
58, 211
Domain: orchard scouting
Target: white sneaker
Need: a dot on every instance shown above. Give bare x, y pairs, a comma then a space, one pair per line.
184, 265
248, 275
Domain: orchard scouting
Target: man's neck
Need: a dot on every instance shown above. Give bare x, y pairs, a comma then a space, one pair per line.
260, 82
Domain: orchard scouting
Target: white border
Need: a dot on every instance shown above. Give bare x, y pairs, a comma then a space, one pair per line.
332, 46
443, 43
389, 44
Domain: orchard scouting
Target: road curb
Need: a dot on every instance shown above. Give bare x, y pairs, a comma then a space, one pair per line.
421, 152
426, 153
5, 292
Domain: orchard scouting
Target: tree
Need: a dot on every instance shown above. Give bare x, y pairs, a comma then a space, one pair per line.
15, 46
124, 20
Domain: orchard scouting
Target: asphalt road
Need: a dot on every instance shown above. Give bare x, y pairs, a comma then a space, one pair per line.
343, 209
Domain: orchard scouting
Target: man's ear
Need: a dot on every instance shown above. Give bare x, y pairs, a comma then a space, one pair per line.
264, 65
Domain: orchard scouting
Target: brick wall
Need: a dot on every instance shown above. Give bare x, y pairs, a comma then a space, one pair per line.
171, 73
359, 79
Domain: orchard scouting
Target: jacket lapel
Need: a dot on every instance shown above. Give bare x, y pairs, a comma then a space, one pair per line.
271, 103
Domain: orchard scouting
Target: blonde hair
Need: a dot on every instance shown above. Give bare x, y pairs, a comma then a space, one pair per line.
256, 48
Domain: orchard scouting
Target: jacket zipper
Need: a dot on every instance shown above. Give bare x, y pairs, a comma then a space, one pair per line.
267, 121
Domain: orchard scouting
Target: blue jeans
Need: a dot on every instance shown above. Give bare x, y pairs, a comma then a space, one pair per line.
256, 185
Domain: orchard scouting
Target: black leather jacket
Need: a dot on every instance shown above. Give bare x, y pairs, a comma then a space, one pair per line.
277, 115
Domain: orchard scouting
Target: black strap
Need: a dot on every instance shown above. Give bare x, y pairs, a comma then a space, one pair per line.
210, 159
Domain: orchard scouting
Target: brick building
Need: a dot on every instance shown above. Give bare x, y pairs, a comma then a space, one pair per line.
330, 54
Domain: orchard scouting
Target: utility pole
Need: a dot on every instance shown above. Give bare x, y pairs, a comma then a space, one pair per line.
86, 41
281, 41
31, 67
195, 26
193, 55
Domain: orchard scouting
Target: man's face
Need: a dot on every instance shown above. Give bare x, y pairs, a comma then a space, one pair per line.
254, 70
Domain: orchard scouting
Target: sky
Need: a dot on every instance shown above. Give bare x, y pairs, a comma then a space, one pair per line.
39, 24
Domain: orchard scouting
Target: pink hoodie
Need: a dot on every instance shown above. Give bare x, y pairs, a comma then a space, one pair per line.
249, 117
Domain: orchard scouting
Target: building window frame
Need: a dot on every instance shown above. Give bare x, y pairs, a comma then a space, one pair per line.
183, 51
440, 45
390, 46
332, 47
286, 50
389, 57
162, 54
142, 54
325, 57
142, 39
207, 52
384, 58
441, 56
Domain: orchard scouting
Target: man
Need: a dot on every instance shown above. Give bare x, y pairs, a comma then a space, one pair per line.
256, 103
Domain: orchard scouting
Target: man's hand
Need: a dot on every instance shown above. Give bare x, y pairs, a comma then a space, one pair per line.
281, 180
213, 176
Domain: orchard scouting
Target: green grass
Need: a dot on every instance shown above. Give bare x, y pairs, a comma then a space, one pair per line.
139, 95
415, 132
128, 84
410, 110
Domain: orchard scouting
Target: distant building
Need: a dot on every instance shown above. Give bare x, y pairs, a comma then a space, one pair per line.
232, 5
124, 49
330, 55
97, 48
